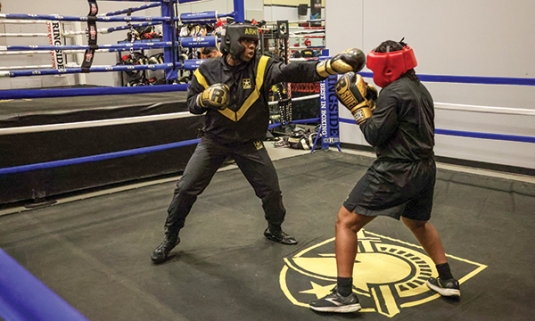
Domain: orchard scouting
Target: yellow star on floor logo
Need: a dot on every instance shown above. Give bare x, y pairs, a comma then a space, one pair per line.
389, 274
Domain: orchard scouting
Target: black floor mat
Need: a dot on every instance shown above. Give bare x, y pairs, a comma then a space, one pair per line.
95, 253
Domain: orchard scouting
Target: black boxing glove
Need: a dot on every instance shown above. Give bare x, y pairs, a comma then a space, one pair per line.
352, 91
352, 59
215, 97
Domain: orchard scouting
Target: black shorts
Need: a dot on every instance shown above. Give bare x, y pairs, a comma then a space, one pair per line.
395, 189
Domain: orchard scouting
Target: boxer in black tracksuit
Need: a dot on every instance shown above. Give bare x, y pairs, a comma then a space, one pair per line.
232, 92
400, 182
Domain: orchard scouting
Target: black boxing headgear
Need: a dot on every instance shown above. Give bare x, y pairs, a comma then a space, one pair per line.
236, 32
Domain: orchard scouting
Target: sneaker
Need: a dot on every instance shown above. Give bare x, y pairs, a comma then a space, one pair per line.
161, 253
448, 287
277, 235
335, 302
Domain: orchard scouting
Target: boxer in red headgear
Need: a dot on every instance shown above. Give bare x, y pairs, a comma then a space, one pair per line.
390, 65
400, 182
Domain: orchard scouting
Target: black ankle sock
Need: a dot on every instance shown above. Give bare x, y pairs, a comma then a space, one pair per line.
345, 286
444, 271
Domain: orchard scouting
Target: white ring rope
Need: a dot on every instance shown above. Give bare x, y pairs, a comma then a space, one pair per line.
305, 97
23, 34
49, 51
65, 33
305, 29
306, 36
456, 107
132, 120
93, 123
8, 21
69, 65
7, 53
306, 32
84, 32
271, 103
305, 21
486, 109
305, 47
303, 59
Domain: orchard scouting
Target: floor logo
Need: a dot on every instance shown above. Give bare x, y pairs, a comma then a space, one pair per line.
389, 274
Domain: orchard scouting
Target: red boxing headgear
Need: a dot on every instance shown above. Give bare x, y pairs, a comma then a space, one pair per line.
389, 66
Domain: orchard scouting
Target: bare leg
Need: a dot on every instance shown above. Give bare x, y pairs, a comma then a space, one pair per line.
428, 237
346, 243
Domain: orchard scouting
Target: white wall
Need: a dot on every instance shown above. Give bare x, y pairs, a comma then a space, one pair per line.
461, 38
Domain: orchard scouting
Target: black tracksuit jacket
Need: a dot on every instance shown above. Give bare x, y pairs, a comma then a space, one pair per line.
402, 128
247, 117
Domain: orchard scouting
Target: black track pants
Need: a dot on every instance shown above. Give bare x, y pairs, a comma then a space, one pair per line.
255, 164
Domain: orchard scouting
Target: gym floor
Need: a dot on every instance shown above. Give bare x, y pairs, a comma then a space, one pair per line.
94, 249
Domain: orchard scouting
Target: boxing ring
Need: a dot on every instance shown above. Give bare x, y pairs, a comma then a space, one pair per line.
88, 258
45, 121
62, 140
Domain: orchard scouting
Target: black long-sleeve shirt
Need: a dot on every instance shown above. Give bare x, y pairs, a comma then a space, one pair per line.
402, 125
247, 117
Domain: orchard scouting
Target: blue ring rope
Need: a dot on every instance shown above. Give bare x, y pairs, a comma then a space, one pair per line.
25, 297
115, 13
136, 151
137, 25
95, 158
514, 138
470, 79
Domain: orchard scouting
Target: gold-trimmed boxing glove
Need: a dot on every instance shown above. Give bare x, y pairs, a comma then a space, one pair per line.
352, 59
352, 90
215, 97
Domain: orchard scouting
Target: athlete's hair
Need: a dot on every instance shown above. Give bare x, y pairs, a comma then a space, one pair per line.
389, 46
208, 50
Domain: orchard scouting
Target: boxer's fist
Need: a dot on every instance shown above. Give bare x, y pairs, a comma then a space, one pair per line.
352, 59
352, 91
215, 96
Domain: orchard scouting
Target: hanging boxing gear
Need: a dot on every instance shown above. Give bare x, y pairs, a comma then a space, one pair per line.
133, 35
301, 139
307, 53
135, 58
352, 90
137, 82
215, 96
352, 59
156, 59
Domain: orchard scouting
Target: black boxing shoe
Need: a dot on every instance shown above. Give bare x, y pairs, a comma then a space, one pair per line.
335, 302
449, 288
277, 235
161, 253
